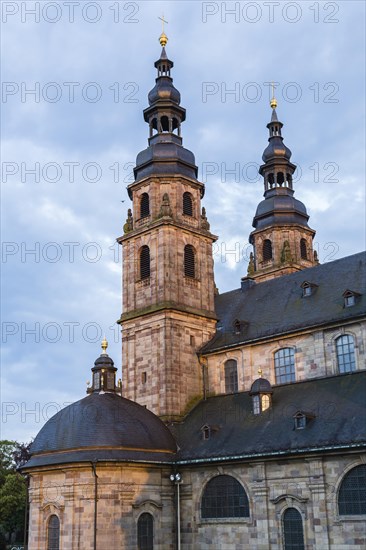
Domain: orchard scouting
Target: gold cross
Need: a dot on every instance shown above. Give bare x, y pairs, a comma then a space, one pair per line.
273, 101
163, 21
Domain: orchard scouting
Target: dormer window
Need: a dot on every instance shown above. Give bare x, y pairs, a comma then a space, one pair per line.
350, 298
301, 420
308, 289
261, 393
239, 325
208, 431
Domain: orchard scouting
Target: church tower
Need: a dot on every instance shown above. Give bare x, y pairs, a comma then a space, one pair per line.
168, 280
282, 240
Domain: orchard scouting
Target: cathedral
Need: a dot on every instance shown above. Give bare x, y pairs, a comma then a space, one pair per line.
240, 418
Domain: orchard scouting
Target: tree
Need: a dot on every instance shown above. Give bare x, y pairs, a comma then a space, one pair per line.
13, 492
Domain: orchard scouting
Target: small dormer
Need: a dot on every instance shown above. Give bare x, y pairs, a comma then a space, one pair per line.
208, 431
239, 325
350, 297
302, 419
308, 289
261, 392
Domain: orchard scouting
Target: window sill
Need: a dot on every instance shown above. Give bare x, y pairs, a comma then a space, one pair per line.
143, 282
220, 521
358, 517
190, 281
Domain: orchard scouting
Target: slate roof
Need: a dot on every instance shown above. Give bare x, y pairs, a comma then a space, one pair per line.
102, 426
338, 404
277, 306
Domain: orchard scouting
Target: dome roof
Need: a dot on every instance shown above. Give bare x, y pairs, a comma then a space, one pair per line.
261, 385
164, 90
276, 149
280, 209
104, 361
102, 426
165, 157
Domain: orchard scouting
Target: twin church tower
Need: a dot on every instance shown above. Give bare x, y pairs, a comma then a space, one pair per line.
168, 278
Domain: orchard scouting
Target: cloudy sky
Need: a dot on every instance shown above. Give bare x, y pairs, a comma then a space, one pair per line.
75, 81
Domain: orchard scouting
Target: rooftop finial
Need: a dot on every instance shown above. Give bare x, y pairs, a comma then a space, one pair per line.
273, 101
163, 39
260, 372
104, 345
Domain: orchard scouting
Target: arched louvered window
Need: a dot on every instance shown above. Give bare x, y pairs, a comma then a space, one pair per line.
144, 262
164, 121
187, 204
224, 497
284, 360
293, 532
280, 178
189, 261
231, 376
352, 492
144, 205
267, 250
303, 249
345, 346
145, 532
53, 533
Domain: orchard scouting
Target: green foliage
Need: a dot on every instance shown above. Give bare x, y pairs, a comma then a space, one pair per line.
12, 503
13, 491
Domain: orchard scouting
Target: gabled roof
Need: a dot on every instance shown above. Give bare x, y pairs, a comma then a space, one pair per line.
278, 307
337, 404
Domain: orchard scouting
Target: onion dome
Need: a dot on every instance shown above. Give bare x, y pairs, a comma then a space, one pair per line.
164, 89
276, 148
101, 427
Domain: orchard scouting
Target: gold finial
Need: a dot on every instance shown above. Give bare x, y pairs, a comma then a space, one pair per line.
104, 345
260, 372
273, 101
163, 39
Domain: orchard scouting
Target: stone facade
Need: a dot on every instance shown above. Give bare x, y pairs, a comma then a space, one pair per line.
315, 356
125, 491
166, 316
279, 264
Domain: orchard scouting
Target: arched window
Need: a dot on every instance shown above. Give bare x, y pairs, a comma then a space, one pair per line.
189, 261
164, 121
144, 262
345, 347
187, 204
293, 533
144, 205
284, 360
267, 250
145, 532
231, 376
53, 533
303, 249
224, 497
280, 178
352, 492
